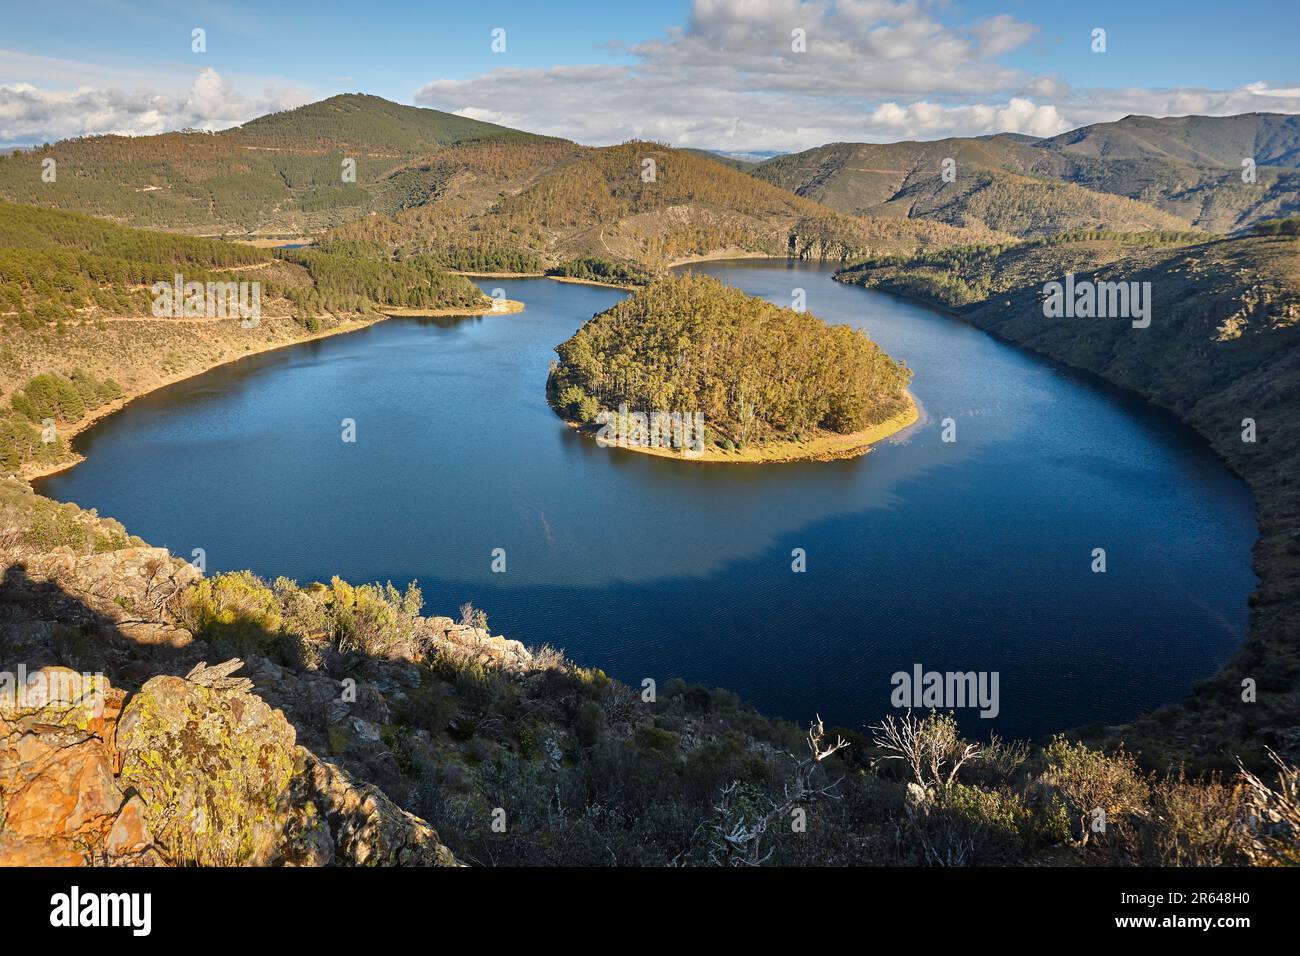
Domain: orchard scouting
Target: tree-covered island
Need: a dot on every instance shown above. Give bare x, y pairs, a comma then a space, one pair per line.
768, 383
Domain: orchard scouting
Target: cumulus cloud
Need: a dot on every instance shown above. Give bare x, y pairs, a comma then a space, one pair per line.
775, 74
872, 71
33, 114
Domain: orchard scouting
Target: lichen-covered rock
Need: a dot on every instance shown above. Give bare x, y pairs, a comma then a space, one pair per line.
67, 788
213, 769
195, 770
479, 644
129, 841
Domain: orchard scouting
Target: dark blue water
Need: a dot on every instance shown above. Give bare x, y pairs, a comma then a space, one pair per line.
974, 555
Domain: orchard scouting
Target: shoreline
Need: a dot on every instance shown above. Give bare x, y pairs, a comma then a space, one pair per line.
825, 447
512, 307
675, 263
496, 275
596, 282
724, 256
35, 472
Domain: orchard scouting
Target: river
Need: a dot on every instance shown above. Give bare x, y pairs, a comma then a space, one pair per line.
969, 555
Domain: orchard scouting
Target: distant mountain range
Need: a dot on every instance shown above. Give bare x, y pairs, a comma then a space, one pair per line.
1137, 173
424, 180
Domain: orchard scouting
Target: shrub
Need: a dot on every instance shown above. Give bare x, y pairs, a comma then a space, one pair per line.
1089, 780
234, 609
590, 723
1194, 823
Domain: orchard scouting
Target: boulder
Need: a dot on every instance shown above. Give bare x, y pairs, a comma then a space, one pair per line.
368, 829
212, 767
58, 792
194, 770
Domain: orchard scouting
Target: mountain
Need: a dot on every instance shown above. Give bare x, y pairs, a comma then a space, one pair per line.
363, 120
993, 185
283, 173
643, 203
452, 183
1270, 139
1188, 168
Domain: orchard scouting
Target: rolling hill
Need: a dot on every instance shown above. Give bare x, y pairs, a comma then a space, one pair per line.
594, 202
994, 186
1271, 139
443, 182
1183, 167
279, 174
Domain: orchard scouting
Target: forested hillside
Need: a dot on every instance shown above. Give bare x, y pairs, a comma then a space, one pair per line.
602, 203
278, 174
77, 329
1146, 170
478, 196
958, 277
991, 183
758, 373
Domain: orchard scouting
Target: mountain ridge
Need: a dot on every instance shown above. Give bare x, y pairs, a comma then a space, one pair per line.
1193, 173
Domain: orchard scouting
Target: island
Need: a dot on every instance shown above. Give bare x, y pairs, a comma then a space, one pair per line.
692, 368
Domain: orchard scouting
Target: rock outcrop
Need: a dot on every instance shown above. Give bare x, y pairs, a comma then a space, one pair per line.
194, 769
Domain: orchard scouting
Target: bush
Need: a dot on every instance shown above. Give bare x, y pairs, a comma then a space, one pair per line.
590, 723
1193, 823
1089, 780
236, 610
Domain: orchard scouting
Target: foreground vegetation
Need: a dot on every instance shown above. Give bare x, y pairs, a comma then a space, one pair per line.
758, 373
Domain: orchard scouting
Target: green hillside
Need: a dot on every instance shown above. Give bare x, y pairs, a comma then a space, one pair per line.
77, 327
1187, 168
564, 202
278, 174
363, 120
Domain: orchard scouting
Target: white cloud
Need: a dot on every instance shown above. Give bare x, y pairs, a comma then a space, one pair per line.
729, 78
874, 71
29, 113
733, 78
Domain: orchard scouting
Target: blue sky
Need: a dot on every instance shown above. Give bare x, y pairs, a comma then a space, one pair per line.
601, 72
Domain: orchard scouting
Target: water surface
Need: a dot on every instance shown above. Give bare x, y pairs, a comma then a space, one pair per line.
971, 555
